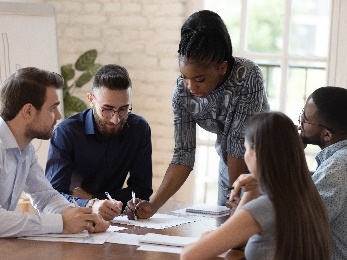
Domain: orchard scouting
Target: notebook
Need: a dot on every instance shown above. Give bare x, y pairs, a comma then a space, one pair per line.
158, 239
208, 209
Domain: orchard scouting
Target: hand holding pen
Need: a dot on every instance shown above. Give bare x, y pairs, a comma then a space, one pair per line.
132, 206
77, 219
108, 209
139, 209
244, 182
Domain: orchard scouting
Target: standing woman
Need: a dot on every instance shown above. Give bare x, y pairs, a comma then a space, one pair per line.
283, 217
216, 91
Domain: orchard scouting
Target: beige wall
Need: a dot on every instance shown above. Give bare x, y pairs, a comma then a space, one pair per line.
141, 35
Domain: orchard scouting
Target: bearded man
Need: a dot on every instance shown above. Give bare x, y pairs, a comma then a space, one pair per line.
95, 151
323, 122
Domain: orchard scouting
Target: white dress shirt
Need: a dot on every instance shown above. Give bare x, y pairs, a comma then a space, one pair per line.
20, 171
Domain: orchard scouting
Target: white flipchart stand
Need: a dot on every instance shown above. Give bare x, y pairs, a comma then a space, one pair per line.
28, 39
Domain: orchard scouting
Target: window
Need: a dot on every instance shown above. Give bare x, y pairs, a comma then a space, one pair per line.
289, 40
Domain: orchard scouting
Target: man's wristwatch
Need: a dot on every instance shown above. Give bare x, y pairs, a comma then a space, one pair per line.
91, 202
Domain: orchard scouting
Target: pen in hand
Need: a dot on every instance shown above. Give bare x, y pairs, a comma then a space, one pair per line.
108, 196
133, 196
74, 202
227, 192
76, 205
112, 200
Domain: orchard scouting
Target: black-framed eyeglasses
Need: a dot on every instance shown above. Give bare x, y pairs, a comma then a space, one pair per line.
303, 120
108, 113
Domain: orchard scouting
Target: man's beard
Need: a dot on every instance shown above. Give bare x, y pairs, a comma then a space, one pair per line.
310, 140
107, 131
32, 133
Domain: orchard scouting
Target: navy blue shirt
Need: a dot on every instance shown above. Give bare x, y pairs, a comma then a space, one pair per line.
79, 156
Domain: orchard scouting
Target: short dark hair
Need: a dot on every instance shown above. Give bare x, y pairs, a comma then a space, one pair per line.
113, 77
331, 103
26, 85
205, 38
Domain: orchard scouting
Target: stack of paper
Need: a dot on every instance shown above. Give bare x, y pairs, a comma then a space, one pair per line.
158, 239
157, 221
164, 243
208, 209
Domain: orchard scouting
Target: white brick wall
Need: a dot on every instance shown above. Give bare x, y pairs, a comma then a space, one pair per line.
141, 35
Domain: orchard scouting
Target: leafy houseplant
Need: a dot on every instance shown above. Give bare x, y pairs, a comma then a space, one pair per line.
86, 69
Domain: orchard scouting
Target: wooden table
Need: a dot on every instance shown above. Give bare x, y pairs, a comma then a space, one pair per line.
12, 248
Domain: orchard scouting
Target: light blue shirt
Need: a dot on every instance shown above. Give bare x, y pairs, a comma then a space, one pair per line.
330, 179
20, 171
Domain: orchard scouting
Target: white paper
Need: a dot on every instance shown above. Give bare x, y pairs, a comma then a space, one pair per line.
161, 248
115, 228
94, 238
168, 249
77, 235
211, 209
158, 239
185, 213
157, 221
124, 238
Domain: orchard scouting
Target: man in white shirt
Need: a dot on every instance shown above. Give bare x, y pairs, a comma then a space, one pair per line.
28, 110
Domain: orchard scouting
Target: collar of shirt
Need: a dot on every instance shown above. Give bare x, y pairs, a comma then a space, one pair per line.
329, 151
89, 123
6, 137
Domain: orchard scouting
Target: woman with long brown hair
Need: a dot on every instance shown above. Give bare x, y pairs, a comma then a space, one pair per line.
281, 215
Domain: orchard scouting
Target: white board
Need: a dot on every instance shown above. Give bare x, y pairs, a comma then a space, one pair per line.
28, 39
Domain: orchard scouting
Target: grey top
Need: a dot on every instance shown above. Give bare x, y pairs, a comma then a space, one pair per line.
263, 244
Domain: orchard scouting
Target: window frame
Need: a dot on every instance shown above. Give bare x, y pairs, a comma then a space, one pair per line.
333, 61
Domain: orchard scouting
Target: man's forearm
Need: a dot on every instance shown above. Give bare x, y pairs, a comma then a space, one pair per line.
174, 178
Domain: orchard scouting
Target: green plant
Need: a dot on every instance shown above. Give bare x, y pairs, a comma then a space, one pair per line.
86, 68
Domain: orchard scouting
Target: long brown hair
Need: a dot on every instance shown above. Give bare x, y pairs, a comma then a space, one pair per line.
302, 225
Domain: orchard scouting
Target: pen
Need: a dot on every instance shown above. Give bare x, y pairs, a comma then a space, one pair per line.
108, 196
74, 202
227, 191
133, 195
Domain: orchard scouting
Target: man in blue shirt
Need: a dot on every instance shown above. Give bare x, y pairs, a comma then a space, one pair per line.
323, 122
29, 109
94, 151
